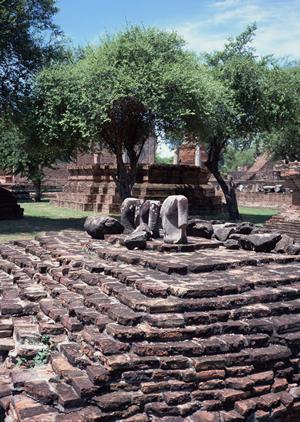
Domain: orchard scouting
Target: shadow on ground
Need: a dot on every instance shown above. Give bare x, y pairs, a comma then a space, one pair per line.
32, 225
251, 218
45, 217
37, 224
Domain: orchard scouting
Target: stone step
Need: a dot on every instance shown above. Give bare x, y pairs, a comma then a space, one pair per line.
130, 342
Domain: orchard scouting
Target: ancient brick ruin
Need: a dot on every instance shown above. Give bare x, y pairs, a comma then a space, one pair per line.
92, 188
91, 185
268, 184
288, 221
90, 331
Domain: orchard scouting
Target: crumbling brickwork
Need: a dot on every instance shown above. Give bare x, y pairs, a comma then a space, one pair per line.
93, 188
206, 335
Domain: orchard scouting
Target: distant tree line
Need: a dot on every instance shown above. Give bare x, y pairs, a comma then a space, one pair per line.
141, 81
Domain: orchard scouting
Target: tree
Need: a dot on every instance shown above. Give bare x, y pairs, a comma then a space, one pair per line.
284, 143
28, 40
23, 151
262, 95
135, 83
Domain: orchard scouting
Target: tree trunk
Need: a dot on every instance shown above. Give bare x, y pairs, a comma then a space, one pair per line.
123, 179
126, 174
228, 189
230, 196
38, 190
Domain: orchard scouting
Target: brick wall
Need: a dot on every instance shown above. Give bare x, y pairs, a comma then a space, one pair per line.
264, 200
187, 154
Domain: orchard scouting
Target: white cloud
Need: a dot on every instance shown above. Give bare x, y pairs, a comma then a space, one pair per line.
198, 39
226, 3
278, 26
241, 14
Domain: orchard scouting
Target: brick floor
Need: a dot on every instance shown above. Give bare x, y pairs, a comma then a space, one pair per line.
92, 332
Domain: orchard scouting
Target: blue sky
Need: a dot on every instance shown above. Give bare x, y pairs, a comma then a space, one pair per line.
204, 24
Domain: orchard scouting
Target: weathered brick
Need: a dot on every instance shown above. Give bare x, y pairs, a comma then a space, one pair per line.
244, 407
25, 407
67, 397
97, 374
113, 401
41, 391
71, 324
83, 386
63, 368
5, 389
203, 416
279, 385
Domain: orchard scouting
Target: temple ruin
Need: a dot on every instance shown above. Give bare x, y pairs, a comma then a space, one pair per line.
90, 331
91, 187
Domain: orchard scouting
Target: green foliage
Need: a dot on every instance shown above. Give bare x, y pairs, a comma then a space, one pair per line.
260, 89
46, 339
22, 149
148, 65
234, 158
284, 143
163, 160
143, 80
41, 358
20, 361
257, 98
28, 40
119, 92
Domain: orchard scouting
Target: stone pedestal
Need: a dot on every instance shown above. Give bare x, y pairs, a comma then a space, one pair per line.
92, 188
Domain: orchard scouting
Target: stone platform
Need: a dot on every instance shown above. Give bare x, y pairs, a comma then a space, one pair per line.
92, 332
92, 188
194, 244
287, 222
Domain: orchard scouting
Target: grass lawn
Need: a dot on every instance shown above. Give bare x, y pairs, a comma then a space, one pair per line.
39, 217
257, 215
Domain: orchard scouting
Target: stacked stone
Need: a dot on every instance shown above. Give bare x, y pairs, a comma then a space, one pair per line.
147, 336
284, 225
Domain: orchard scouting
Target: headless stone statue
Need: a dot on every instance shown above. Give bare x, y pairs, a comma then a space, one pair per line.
174, 214
137, 212
149, 218
154, 218
130, 214
144, 212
